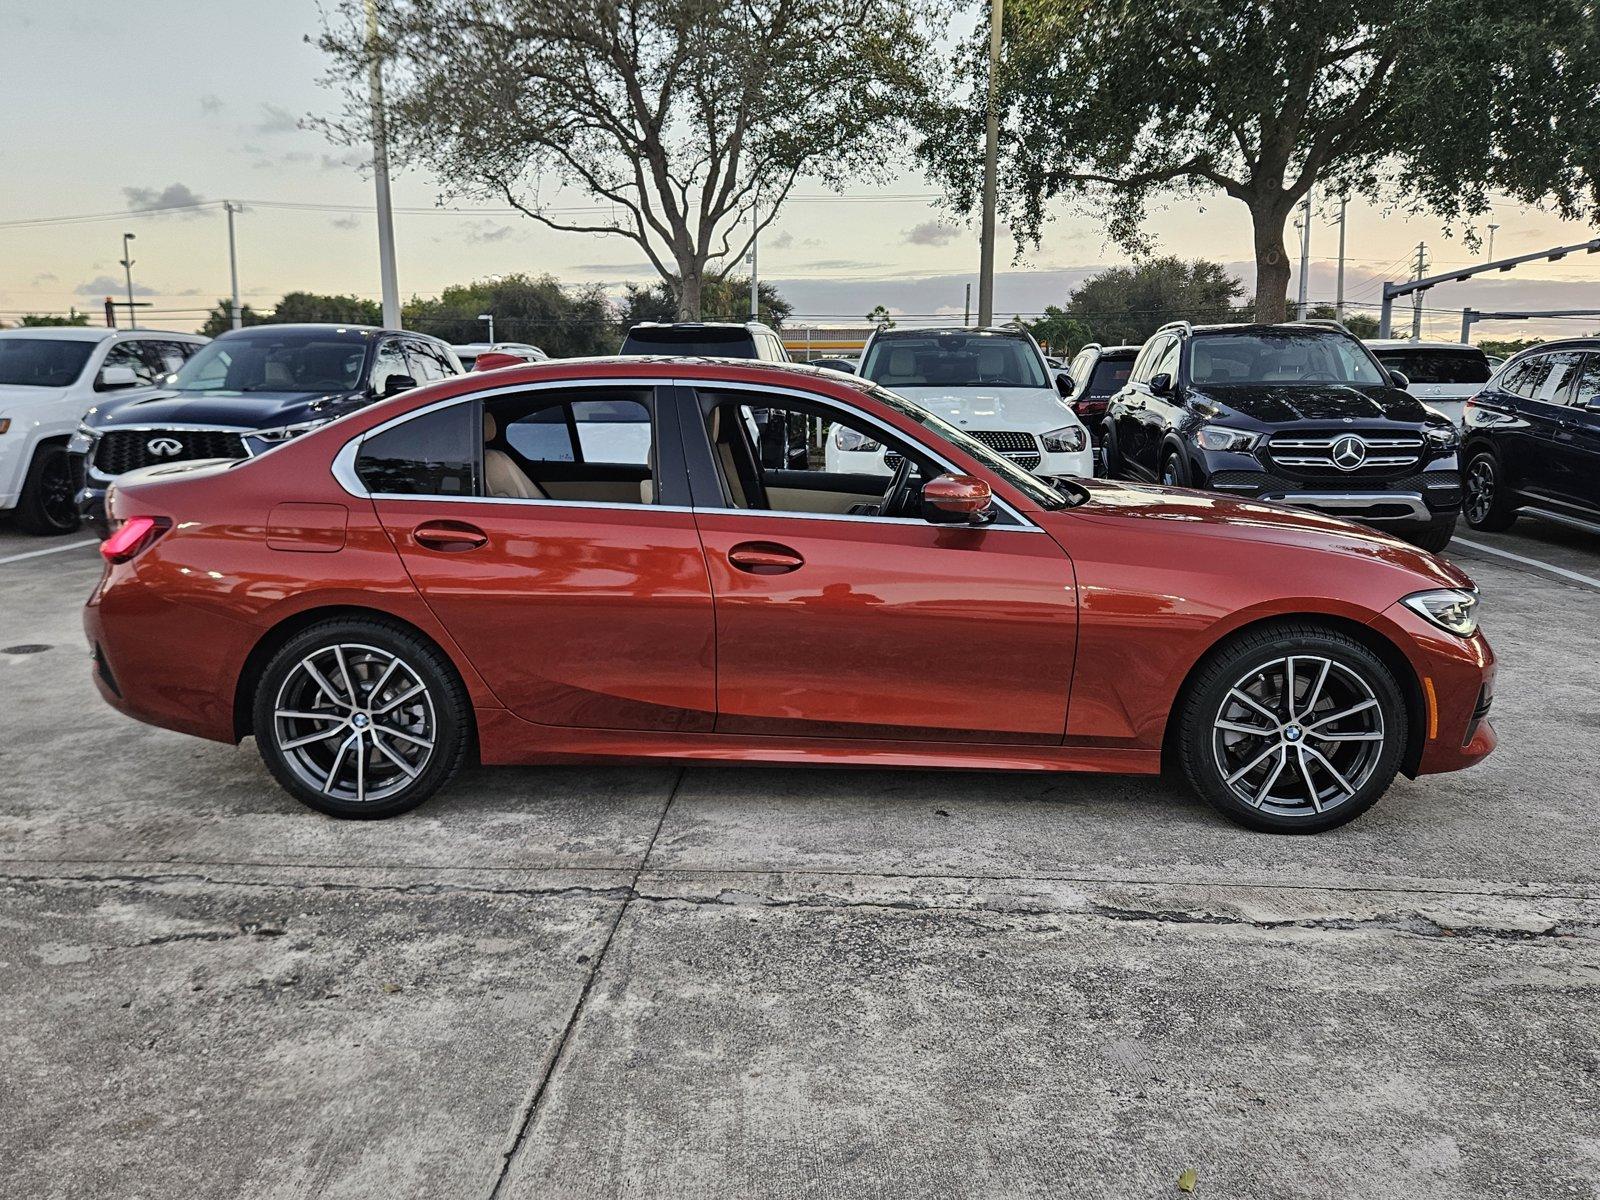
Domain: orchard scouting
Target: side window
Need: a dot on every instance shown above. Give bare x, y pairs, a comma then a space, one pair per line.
168, 356
1586, 391
1523, 378
1553, 388
127, 354
423, 364
1144, 365
434, 454
590, 444
1168, 361
1080, 369
390, 361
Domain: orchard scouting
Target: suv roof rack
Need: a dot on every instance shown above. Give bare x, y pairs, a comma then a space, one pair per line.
1181, 326
1322, 322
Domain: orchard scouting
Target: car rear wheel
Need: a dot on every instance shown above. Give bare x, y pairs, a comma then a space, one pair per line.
361, 718
1487, 504
47, 505
1110, 453
1292, 729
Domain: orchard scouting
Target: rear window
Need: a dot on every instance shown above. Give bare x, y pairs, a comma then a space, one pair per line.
1110, 374
435, 454
1431, 365
690, 342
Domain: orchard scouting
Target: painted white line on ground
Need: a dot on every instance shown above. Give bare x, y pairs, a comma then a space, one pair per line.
1590, 580
50, 550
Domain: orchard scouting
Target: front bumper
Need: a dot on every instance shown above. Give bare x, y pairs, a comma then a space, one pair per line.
1456, 680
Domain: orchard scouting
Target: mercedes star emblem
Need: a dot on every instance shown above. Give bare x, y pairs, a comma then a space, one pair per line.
1349, 453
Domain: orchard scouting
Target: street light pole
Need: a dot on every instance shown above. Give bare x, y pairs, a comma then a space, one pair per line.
489, 317
1416, 297
991, 153
1492, 228
380, 174
1338, 303
233, 263
1305, 253
755, 233
127, 266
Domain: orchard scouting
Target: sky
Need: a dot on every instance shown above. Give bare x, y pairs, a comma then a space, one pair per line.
113, 108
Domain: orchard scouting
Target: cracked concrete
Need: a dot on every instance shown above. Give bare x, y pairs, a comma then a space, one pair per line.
747, 982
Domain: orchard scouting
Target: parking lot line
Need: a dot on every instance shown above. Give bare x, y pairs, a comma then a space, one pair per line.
11, 558
1576, 576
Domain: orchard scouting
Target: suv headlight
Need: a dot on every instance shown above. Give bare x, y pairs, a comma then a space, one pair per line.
1451, 609
283, 433
82, 441
1220, 437
1440, 437
1069, 439
850, 440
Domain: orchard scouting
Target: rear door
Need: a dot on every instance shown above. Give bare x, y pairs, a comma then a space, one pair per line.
1577, 438
1553, 466
585, 611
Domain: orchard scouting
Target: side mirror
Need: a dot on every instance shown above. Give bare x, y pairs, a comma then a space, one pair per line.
1592, 404
1161, 384
1064, 384
1399, 378
396, 384
957, 500
112, 378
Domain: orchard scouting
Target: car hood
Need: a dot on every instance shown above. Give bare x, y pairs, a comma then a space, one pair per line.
1222, 516
1275, 405
1035, 409
233, 410
14, 398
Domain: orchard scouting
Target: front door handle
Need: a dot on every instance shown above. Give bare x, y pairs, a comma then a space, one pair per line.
449, 537
765, 558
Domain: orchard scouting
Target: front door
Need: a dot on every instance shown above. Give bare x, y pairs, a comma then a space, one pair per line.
592, 609
866, 624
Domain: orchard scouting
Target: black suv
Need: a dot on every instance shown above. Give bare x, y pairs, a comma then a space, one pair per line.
705, 339
244, 393
1533, 437
1301, 414
1096, 374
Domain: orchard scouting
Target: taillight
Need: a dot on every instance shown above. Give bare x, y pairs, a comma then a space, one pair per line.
132, 536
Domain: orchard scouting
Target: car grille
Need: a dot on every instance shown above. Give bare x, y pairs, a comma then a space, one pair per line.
1020, 448
121, 450
1313, 455
1439, 487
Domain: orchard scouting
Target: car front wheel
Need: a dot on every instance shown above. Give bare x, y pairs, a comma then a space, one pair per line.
1292, 729
361, 718
1487, 504
47, 505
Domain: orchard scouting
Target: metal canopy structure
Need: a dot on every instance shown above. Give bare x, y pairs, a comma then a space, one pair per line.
1471, 316
1391, 291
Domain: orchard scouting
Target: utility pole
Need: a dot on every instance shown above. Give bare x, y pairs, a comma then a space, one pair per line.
991, 153
755, 232
127, 266
233, 262
1338, 303
380, 175
1492, 228
966, 311
1416, 297
1305, 253
489, 317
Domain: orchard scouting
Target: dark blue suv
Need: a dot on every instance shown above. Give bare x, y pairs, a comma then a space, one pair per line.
1533, 437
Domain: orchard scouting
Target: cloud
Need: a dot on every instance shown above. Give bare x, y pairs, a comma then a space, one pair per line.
488, 231
344, 162
211, 104
348, 221
276, 120
932, 233
45, 277
840, 264
110, 285
173, 196
787, 241
288, 159
623, 270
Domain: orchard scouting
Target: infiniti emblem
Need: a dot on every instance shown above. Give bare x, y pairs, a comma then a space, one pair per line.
164, 447
1349, 453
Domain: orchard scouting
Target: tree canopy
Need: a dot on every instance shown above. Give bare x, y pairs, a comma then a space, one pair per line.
682, 124
725, 299
563, 322
44, 320
1428, 106
1128, 304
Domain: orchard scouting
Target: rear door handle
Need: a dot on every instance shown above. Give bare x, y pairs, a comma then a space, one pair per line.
449, 537
765, 558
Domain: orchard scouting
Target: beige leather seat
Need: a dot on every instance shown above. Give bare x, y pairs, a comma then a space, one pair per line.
732, 485
647, 487
502, 478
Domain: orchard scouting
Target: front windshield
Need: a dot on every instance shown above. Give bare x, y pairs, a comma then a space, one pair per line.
1282, 357
287, 362
1031, 486
42, 362
954, 359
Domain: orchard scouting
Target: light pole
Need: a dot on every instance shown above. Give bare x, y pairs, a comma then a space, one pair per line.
489, 317
1338, 303
1492, 228
755, 234
380, 177
233, 263
1305, 253
991, 153
127, 266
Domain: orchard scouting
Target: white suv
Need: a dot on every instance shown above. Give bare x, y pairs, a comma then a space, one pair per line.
48, 378
991, 383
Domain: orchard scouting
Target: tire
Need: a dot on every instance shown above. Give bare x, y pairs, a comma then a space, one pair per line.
1486, 501
1358, 770
425, 736
47, 505
1109, 452
1433, 538
1173, 472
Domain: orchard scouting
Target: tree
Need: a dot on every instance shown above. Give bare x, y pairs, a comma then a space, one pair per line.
725, 299
1429, 105
1506, 347
1128, 304
563, 322
44, 320
685, 123
1059, 333
220, 318
880, 317
1359, 324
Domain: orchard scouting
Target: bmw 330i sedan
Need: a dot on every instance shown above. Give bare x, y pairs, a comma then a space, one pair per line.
590, 560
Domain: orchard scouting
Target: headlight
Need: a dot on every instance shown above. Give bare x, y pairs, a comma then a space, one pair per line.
81, 442
284, 432
1220, 437
850, 440
1451, 609
1440, 437
1069, 439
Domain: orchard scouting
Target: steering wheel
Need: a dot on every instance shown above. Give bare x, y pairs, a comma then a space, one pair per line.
899, 491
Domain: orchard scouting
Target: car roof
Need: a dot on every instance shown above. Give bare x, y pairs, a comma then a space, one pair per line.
925, 330
89, 333
1302, 327
1408, 344
268, 328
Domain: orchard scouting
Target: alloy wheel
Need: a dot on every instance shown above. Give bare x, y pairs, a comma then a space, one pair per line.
354, 722
1298, 735
56, 500
1480, 490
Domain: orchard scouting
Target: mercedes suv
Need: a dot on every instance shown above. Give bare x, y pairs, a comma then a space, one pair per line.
1299, 414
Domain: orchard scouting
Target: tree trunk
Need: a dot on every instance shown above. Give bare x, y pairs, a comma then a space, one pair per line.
1272, 259
690, 288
